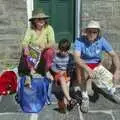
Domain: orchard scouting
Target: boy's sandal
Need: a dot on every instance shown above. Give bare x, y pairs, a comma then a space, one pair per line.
72, 103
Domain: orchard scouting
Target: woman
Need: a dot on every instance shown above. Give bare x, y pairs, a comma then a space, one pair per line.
38, 39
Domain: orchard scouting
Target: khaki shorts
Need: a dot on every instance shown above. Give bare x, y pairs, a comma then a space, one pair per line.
102, 77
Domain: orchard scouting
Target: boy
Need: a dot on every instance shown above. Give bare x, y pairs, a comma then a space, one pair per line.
61, 64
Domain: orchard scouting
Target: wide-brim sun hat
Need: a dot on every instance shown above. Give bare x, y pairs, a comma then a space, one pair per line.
39, 16
93, 24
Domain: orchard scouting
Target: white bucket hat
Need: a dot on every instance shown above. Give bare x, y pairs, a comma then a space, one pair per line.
93, 24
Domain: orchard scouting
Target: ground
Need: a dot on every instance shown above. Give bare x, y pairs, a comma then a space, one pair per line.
102, 107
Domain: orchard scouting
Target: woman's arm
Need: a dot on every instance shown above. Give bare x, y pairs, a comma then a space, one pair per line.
50, 37
27, 38
26, 41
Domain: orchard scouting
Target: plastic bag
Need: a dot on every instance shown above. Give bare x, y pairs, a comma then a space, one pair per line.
33, 99
8, 82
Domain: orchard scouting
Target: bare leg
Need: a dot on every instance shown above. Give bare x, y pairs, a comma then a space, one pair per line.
84, 82
82, 79
89, 87
65, 88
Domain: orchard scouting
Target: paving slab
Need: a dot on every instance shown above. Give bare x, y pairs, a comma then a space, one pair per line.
10, 110
101, 108
102, 101
51, 113
8, 104
116, 114
14, 116
98, 116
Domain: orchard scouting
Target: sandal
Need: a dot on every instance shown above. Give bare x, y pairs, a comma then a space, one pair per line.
71, 104
61, 106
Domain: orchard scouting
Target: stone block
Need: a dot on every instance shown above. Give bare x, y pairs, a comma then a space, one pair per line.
97, 116
116, 114
1, 9
14, 116
6, 107
54, 114
101, 101
10, 30
4, 21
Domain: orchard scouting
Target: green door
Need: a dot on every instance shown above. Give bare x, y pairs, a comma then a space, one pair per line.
61, 14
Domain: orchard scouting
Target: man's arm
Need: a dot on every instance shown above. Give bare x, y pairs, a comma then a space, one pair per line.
116, 63
115, 59
81, 63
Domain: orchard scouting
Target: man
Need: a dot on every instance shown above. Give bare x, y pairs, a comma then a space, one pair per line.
87, 52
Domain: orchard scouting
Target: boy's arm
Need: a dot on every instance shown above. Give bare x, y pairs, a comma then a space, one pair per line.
53, 67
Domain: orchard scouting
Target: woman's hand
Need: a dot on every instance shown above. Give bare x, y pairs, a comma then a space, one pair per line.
48, 46
26, 51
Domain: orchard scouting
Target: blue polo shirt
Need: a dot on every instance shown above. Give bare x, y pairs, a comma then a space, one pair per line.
92, 52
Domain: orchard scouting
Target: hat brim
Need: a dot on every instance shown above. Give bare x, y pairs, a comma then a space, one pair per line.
32, 19
93, 28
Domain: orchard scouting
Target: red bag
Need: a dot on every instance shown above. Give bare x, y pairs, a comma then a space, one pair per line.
8, 82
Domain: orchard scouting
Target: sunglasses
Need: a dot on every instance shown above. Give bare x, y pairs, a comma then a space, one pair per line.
91, 31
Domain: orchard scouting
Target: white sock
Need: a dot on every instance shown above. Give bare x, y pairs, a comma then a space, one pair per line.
112, 90
85, 94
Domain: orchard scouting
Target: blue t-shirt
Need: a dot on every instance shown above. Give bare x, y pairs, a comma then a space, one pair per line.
92, 52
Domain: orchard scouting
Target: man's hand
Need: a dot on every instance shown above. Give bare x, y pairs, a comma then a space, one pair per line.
90, 73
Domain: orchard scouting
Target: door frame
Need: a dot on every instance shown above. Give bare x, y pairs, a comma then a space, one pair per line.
30, 8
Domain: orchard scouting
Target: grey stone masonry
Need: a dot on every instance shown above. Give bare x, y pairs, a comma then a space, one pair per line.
102, 107
13, 23
107, 12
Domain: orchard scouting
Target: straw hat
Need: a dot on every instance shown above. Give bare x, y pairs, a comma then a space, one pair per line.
93, 24
39, 15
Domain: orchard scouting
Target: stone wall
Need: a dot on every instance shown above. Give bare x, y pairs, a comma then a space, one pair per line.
108, 13
13, 23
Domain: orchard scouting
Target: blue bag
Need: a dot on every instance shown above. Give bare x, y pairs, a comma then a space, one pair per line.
33, 99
